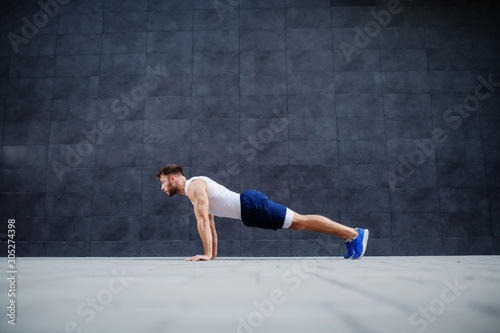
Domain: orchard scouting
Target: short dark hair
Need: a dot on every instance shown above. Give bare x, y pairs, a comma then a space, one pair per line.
170, 169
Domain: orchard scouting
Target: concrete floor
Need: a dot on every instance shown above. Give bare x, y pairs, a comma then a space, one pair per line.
375, 294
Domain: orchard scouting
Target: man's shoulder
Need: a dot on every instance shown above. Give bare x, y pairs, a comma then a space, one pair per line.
196, 184
198, 180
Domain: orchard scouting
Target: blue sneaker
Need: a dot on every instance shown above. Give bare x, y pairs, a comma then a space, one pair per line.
350, 249
360, 242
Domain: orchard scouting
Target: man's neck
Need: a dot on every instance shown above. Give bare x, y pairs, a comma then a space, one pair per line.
182, 185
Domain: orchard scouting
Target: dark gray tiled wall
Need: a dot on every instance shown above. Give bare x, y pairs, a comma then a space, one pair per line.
258, 95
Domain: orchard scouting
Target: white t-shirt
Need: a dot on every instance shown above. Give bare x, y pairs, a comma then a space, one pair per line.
221, 201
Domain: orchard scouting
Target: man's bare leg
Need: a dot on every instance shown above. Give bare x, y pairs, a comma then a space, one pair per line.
323, 225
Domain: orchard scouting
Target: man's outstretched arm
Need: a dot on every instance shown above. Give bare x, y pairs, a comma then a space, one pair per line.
214, 237
197, 193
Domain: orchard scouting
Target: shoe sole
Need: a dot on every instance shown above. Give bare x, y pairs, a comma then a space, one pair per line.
365, 242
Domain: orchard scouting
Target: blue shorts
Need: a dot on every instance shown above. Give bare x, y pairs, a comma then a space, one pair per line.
259, 212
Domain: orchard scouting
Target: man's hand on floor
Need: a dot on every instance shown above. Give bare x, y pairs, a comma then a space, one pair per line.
201, 257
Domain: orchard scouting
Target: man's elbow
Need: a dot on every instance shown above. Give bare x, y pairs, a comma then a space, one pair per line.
205, 224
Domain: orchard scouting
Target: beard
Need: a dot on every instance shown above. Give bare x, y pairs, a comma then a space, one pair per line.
171, 190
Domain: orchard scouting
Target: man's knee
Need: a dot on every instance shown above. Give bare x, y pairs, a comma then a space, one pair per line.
299, 222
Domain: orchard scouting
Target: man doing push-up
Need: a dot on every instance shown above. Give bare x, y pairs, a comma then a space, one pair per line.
211, 199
